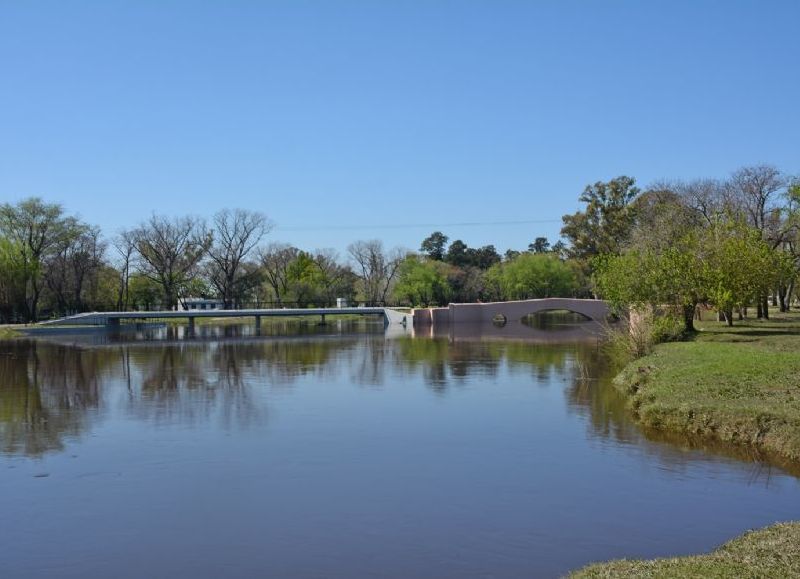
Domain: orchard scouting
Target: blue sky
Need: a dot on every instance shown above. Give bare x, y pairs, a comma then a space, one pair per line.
353, 120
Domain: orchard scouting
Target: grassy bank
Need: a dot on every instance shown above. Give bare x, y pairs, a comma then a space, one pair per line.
738, 385
770, 552
8, 332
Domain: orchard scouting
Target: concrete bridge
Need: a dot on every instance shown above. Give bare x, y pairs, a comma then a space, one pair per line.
114, 319
508, 313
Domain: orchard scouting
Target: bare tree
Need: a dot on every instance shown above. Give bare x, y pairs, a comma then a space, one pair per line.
708, 198
169, 252
337, 279
755, 190
236, 235
125, 246
377, 269
275, 260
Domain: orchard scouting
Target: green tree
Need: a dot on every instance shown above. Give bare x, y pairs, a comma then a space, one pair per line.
423, 282
35, 228
433, 245
13, 277
532, 276
539, 245
605, 225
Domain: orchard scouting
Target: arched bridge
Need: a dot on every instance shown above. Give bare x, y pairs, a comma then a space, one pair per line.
597, 310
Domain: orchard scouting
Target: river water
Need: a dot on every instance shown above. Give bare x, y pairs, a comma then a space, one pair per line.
343, 451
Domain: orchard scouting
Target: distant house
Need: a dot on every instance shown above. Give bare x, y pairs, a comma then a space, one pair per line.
187, 304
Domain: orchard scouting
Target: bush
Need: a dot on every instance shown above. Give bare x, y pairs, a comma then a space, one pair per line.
644, 330
666, 328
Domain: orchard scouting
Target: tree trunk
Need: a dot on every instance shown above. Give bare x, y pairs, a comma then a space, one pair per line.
759, 310
729, 317
789, 294
774, 299
688, 318
782, 297
720, 316
765, 307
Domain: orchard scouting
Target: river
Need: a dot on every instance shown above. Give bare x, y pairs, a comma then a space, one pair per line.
343, 451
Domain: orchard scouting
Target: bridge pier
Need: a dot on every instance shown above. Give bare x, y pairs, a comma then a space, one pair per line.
322, 320
191, 325
113, 322
258, 324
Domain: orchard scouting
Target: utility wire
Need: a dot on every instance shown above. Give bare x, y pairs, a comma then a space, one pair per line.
411, 225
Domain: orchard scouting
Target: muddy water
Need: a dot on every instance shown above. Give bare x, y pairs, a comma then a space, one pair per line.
344, 452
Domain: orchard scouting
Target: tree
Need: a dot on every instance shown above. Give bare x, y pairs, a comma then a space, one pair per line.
532, 276
236, 235
754, 191
539, 245
74, 265
35, 228
125, 247
376, 268
275, 260
433, 245
13, 277
648, 278
461, 255
170, 251
726, 265
739, 266
457, 254
337, 280
423, 282
605, 225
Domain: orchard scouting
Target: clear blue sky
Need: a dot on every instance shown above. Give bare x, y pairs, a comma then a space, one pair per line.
370, 114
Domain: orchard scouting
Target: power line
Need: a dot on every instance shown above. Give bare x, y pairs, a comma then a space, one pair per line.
411, 225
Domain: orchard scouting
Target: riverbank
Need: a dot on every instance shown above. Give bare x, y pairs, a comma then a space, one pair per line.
738, 385
770, 552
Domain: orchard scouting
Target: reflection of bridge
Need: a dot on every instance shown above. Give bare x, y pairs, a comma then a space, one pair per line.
509, 312
113, 319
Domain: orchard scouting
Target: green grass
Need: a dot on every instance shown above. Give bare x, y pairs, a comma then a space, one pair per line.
770, 552
738, 385
7, 332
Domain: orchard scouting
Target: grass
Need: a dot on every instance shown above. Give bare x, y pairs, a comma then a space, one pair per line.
738, 385
7, 332
770, 552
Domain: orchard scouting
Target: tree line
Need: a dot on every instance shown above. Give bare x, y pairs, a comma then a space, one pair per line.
730, 244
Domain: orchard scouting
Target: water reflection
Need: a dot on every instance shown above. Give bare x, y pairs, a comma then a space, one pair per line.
47, 393
51, 391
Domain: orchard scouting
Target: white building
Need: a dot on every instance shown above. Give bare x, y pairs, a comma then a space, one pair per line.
200, 304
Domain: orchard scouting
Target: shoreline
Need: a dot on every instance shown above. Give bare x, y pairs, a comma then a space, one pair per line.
734, 386
773, 551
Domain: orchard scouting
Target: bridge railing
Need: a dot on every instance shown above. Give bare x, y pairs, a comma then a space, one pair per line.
55, 313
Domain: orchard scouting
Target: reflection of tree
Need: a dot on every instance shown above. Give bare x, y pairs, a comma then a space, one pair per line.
197, 379
443, 362
45, 392
592, 394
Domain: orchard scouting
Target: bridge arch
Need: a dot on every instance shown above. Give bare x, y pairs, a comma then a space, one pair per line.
515, 311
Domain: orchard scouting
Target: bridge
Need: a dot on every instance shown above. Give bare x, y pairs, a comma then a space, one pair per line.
508, 312
114, 319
